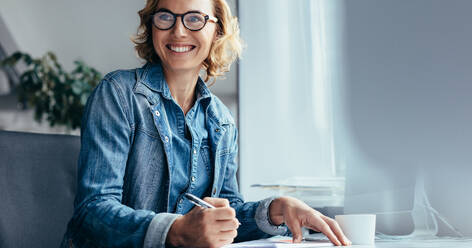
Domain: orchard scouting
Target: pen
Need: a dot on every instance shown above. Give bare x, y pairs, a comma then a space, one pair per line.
197, 201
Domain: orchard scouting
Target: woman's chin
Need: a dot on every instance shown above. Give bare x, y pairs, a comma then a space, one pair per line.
184, 66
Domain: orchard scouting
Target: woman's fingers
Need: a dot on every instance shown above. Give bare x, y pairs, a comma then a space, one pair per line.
225, 235
320, 224
228, 225
296, 228
217, 202
223, 213
297, 214
337, 230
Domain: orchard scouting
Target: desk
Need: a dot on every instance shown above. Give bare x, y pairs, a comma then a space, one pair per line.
411, 243
418, 242
426, 243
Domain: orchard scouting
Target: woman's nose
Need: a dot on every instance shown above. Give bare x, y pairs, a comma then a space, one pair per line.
179, 29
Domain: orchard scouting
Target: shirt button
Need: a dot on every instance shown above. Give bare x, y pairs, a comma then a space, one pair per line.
157, 113
180, 201
192, 178
166, 139
194, 151
214, 190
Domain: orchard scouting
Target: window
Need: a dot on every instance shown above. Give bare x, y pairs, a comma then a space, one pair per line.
288, 75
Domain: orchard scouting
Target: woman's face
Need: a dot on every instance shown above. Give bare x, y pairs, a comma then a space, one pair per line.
181, 49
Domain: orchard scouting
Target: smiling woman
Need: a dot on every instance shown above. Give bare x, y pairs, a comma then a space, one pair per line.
226, 45
153, 134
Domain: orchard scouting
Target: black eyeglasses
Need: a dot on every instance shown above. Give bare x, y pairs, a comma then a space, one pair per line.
164, 19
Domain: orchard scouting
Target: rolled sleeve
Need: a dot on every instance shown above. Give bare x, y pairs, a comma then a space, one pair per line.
156, 233
263, 221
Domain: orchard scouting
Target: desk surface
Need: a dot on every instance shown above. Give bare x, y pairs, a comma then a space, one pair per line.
436, 242
426, 243
410, 243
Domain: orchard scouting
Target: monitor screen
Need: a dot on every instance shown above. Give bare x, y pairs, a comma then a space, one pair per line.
406, 113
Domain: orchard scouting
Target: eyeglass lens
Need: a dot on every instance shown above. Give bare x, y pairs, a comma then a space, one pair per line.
192, 21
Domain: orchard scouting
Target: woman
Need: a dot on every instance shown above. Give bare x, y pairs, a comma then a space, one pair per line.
151, 134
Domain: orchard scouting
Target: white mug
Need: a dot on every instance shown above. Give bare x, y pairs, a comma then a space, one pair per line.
358, 228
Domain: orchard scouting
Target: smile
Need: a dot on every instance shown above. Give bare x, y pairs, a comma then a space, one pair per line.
180, 49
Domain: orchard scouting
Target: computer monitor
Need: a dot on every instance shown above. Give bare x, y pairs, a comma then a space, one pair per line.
405, 129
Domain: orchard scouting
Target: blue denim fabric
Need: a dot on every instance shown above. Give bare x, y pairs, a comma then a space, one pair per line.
127, 164
193, 170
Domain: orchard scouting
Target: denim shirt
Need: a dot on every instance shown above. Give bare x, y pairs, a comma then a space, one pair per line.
193, 170
127, 166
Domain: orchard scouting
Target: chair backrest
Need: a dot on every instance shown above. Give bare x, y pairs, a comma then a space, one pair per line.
37, 187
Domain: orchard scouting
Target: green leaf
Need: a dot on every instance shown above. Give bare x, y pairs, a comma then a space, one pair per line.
83, 99
77, 87
59, 95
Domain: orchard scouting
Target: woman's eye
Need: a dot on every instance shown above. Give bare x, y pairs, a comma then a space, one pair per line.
165, 17
195, 19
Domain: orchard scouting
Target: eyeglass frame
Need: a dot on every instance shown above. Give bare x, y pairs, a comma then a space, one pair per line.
205, 16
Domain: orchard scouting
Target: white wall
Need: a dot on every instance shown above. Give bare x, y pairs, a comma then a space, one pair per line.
95, 31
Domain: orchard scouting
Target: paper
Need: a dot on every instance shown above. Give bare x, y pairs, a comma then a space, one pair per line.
279, 242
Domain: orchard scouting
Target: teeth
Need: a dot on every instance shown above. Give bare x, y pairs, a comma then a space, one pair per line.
180, 49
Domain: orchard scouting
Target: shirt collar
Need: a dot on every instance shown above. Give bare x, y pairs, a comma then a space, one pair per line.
153, 77
202, 90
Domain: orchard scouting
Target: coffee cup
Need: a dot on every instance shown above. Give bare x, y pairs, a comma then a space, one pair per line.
359, 228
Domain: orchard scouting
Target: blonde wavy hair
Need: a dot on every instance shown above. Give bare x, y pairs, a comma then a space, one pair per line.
223, 52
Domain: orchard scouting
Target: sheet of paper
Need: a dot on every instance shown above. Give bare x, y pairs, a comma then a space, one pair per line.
279, 242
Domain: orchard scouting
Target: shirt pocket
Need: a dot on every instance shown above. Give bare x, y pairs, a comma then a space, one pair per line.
205, 156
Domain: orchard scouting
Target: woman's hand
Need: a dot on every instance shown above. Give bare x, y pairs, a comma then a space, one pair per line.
205, 227
296, 214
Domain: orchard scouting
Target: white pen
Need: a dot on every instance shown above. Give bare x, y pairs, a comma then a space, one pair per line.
197, 201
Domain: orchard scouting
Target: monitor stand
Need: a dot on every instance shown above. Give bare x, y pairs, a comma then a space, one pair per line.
425, 217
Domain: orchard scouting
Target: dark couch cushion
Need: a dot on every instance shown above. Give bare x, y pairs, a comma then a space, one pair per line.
37, 187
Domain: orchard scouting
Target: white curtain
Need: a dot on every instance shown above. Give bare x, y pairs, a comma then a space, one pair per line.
288, 75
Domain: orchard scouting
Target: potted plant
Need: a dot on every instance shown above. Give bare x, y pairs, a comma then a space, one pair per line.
53, 92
